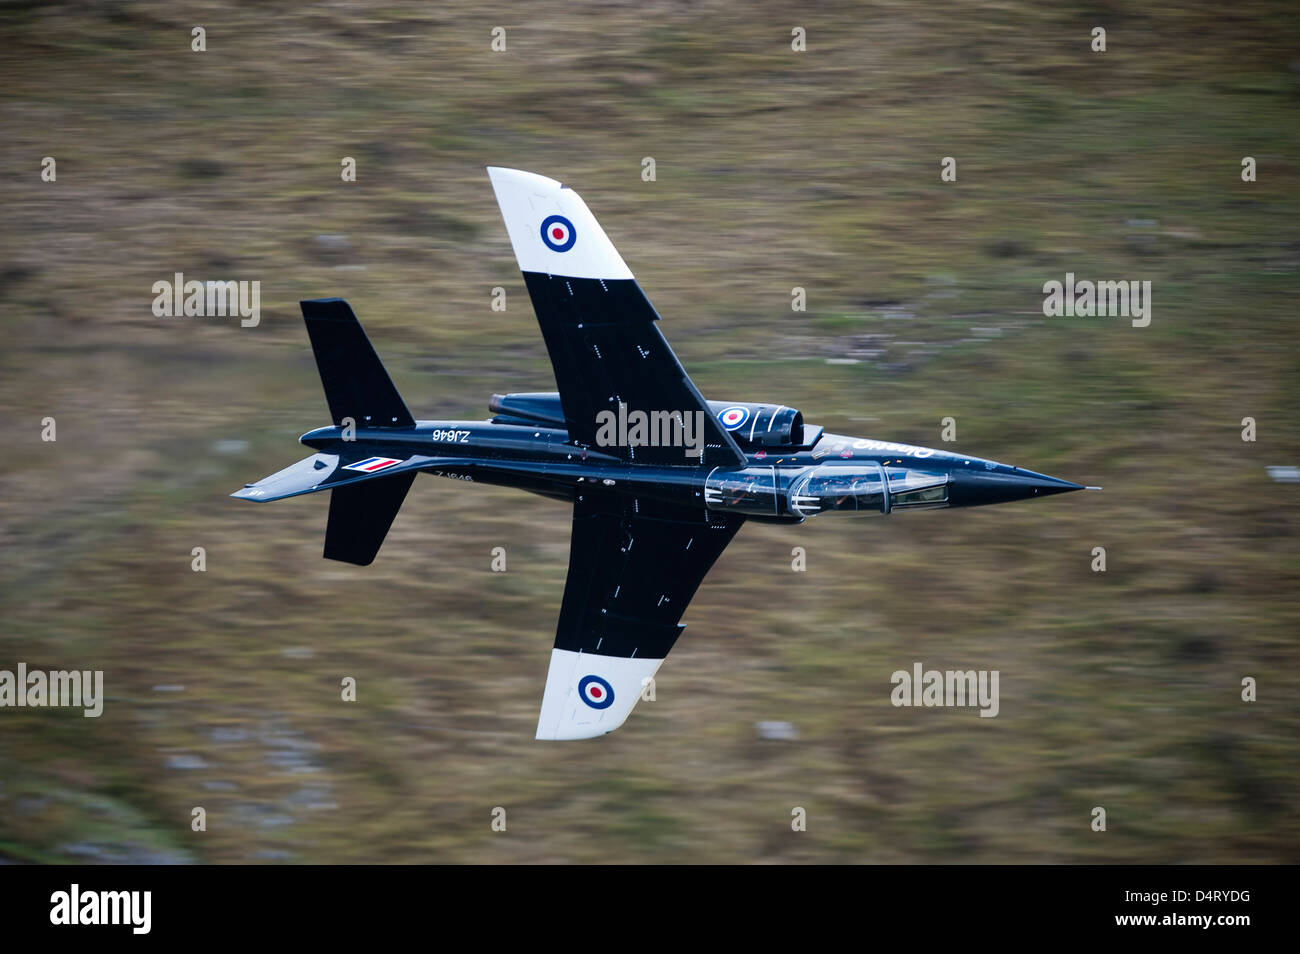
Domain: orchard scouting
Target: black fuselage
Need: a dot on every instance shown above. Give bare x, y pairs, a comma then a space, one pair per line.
836, 473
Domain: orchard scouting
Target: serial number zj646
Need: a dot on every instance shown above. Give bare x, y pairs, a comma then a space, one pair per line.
450, 437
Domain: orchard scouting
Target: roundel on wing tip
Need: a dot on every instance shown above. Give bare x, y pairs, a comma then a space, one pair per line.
733, 417
596, 692
558, 233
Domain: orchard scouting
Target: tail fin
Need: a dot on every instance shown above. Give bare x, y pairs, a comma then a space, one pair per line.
356, 384
360, 515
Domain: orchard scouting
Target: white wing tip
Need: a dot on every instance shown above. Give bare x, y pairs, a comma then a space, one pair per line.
588, 694
551, 229
523, 177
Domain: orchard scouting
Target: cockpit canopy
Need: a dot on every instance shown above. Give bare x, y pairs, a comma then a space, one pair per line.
842, 487
866, 487
917, 489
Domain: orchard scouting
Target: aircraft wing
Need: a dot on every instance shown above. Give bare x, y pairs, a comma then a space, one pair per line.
600, 329
633, 567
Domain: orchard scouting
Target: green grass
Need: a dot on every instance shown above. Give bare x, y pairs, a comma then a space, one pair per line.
774, 170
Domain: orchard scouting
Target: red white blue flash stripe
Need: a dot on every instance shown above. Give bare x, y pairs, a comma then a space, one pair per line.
372, 464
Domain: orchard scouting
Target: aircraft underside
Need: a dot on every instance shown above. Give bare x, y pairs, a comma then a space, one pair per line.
659, 479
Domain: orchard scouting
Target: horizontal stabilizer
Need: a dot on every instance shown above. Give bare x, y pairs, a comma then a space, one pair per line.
327, 471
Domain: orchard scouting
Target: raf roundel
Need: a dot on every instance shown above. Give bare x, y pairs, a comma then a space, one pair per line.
558, 233
733, 417
596, 692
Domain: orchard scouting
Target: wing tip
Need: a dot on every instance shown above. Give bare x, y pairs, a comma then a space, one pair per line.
503, 174
586, 731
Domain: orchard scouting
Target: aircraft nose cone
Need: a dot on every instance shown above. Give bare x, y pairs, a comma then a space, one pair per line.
973, 488
1044, 486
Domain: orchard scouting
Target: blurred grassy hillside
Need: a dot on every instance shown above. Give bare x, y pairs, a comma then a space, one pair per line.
775, 169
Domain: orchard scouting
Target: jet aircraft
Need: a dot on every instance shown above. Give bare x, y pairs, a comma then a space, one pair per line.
659, 478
